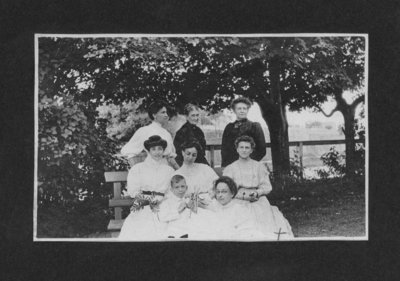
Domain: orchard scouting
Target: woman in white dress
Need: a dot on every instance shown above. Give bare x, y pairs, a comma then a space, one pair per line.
158, 113
232, 220
253, 180
147, 183
199, 177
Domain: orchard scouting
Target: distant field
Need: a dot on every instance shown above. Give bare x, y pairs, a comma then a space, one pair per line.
311, 154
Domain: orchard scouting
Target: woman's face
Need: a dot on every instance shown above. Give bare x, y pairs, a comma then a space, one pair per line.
189, 155
223, 194
244, 149
193, 117
241, 110
156, 152
161, 116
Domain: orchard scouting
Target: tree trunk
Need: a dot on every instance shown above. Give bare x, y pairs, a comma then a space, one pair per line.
274, 113
349, 133
279, 135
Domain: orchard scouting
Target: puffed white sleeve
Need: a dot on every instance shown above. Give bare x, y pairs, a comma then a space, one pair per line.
135, 145
171, 147
166, 182
228, 171
211, 177
263, 176
134, 182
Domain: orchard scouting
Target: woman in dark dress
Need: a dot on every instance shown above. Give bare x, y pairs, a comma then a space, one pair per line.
242, 126
190, 131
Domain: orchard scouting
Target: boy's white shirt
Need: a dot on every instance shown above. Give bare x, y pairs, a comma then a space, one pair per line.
177, 223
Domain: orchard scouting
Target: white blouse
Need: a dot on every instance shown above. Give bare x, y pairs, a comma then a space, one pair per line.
234, 221
251, 174
150, 175
136, 144
199, 177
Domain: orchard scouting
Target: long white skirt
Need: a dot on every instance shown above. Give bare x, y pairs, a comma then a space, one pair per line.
269, 220
143, 225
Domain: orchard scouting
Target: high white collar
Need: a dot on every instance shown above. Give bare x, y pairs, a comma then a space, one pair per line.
150, 161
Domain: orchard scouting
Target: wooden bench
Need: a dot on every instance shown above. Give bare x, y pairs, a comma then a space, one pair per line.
118, 203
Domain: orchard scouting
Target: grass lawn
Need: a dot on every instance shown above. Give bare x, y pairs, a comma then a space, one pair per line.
317, 209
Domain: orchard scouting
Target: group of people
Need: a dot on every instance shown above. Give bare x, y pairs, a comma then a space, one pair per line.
176, 194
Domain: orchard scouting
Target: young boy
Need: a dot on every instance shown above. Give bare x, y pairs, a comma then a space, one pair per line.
174, 210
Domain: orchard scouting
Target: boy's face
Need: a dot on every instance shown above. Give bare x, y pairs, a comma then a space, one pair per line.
179, 188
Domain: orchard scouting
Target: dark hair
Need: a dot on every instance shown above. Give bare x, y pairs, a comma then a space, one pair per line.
240, 100
229, 182
192, 143
155, 107
177, 178
245, 138
189, 108
154, 141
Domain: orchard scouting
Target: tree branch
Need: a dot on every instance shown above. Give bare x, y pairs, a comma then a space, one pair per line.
330, 114
357, 101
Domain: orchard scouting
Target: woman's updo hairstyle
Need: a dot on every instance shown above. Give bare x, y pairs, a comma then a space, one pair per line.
229, 182
155, 107
240, 100
245, 138
154, 141
190, 144
189, 108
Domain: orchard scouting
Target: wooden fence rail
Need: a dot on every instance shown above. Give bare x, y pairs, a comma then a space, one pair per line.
213, 147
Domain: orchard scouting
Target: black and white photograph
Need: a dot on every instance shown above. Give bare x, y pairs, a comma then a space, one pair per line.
201, 137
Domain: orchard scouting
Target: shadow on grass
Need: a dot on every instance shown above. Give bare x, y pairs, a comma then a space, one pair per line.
323, 208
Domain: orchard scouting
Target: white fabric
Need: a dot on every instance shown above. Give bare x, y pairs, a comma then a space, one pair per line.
149, 175
177, 223
199, 177
136, 144
229, 222
269, 220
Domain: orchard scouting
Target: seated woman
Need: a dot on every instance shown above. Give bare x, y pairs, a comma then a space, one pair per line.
147, 183
252, 178
190, 130
232, 219
157, 112
199, 177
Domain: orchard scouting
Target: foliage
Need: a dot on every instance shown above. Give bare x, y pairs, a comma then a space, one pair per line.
296, 170
122, 120
335, 162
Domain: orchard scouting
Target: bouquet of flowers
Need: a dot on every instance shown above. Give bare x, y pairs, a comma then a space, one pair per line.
140, 201
247, 193
194, 200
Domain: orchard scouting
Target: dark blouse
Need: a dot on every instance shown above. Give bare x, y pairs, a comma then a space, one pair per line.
239, 128
186, 132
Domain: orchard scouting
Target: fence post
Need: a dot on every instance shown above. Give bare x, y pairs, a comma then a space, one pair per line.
212, 152
301, 159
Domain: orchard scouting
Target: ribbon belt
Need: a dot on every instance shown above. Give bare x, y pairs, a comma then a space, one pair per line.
152, 193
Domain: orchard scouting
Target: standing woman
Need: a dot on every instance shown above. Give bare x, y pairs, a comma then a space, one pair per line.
253, 181
147, 183
158, 114
242, 126
190, 131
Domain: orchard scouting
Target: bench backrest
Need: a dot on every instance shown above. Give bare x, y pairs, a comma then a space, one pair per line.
116, 176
